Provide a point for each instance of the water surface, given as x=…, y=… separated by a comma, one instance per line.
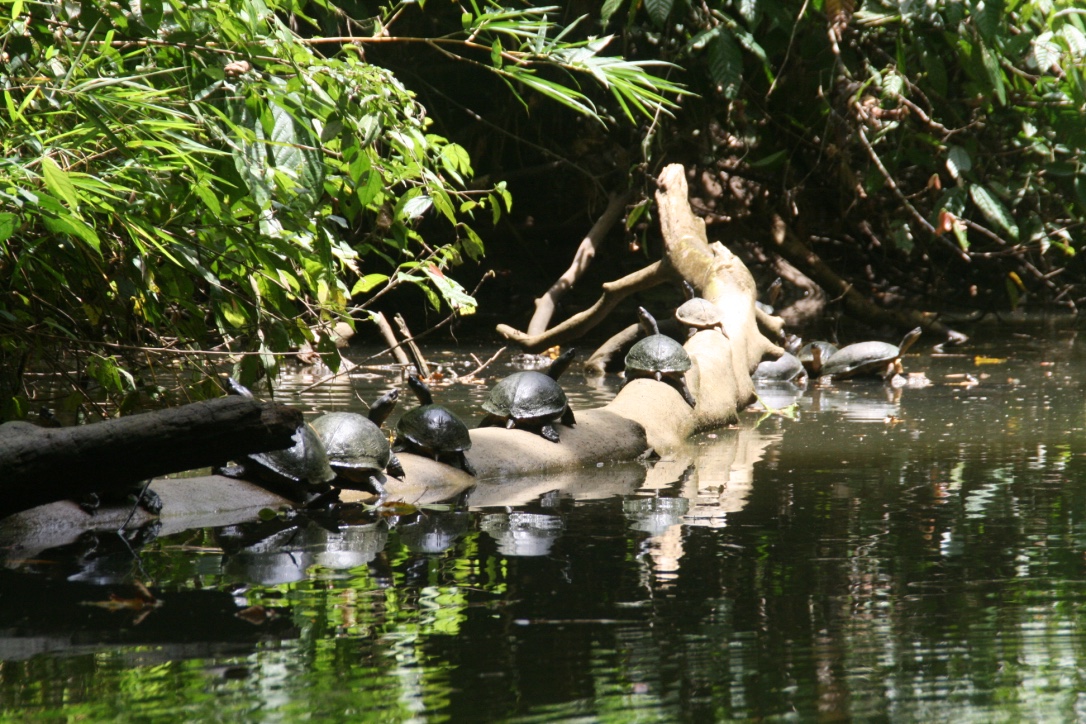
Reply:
x=916, y=554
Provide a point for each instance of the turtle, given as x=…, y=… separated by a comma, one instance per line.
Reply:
x=531, y=400
x=873, y=359
x=697, y=313
x=432, y=430
x=814, y=354
x=300, y=472
x=658, y=357
x=785, y=368
x=357, y=448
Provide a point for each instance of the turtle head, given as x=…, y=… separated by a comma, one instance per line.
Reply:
x=561, y=363
x=422, y=392
x=382, y=407
x=647, y=322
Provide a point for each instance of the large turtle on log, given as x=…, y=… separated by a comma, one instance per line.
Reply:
x=357, y=448
x=531, y=400
x=300, y=472
x=432, y=430
x=658, y=357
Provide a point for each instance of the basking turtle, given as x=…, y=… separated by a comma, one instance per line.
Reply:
x=300, y=472
x=431, y=430
x=873, y=359
x=659, y=357
x=785, y=368
x=358, y=450
x=698, y=313
x=814, y=354
x=531, y=400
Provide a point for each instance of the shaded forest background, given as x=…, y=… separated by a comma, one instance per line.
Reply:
x=186, y=186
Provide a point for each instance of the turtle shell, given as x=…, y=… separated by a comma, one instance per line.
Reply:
x=525, y=396
x=353, y=442
x=657, y=353
x=867, y=358
x=433, y=430
x=699, y=313
x=785, y=368
x=305, y=462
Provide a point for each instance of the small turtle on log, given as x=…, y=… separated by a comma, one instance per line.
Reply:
x=432, y=430
x=531, y=400
x=658, y=357
x=698, y=313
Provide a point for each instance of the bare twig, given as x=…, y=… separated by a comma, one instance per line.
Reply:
x=416, y=353
x=484, y=365
x=545, y=305
x=390, y=339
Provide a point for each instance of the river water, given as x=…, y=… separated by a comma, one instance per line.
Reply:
x=914, y=554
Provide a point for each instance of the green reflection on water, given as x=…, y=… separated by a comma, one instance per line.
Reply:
x=911, y=556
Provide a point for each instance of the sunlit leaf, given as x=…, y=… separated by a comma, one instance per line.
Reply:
x=659, y=10
x=993, y=210
x=725, y=63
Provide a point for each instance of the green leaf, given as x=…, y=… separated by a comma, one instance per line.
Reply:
x=725, y=64
x=68, y=224
x=987, y=16
x=659, y=10
x=610, y=7
x=451, y=291
x=994, y=73
x=472, y=243
x=958, y=161
x=58, y=183
x=993, y=210
x=8, y=223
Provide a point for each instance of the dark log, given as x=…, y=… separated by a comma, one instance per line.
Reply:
x=41, y=465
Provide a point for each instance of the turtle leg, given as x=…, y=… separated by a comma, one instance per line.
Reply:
x=394, y=468
x=464, y=464
x=141, y=495
x=490, y=421
x=549, y=433
x=378, y=488
x=567, y=418
x=680, y=385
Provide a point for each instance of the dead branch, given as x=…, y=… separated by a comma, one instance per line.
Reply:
x=572, y=328
x=545, y=305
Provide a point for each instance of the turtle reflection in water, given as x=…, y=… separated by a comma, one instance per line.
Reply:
x=658, y=357
x=531, y=400
x=357, y=447
x=300, y=472
x=432, y=431
x=871, y=359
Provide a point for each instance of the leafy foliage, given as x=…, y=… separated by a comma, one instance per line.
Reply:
x=177, y=177
x=913, y=145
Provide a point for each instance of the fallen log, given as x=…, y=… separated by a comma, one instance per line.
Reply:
x=41, y=465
